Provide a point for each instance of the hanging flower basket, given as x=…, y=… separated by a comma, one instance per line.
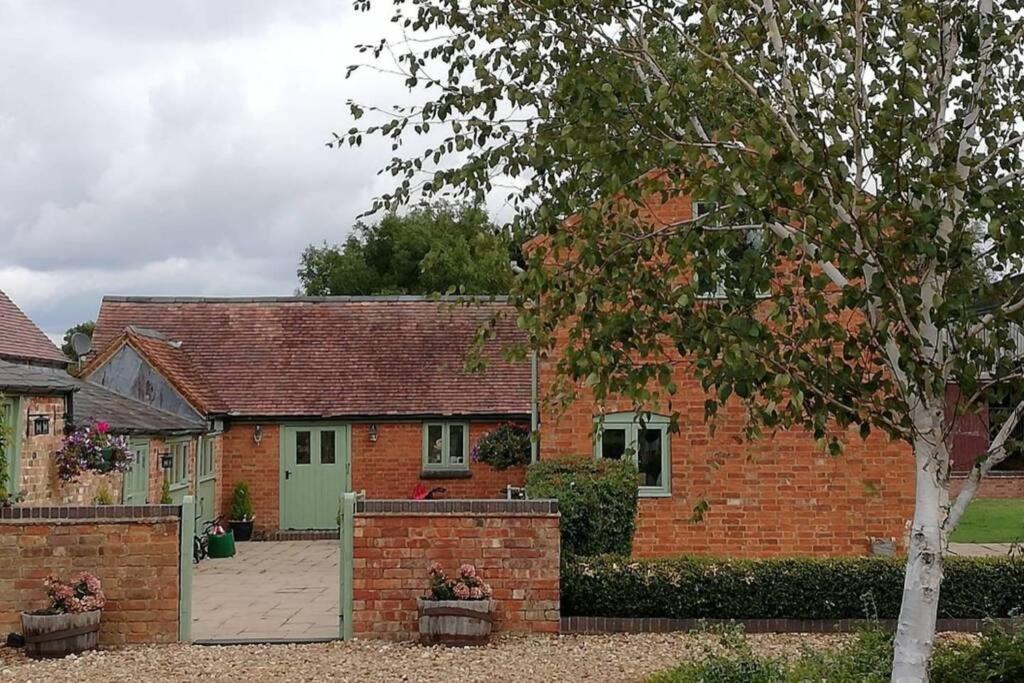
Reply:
x=92, y=449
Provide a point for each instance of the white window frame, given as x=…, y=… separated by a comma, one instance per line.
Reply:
x=445, y=464
x=633, y=424
x=719, y=293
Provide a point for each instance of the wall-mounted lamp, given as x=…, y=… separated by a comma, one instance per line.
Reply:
x=39, y=424
x=373, y=433
x=166, y=460
x=257, y=433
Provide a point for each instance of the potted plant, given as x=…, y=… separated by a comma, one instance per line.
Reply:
x=72, y=621
x=456, y=611
x=92, y=448
x=241, y=512
x=220, y=542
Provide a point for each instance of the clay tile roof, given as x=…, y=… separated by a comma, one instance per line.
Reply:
x=20, y=339
x=323, y=356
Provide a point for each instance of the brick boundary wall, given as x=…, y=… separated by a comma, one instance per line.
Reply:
x=592, y=625
x=515, y=545
x=134, y=550
x=993, y=485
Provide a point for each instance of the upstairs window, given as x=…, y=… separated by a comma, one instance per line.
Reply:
x=643, y=440
x=445, y=446
x=739, y=262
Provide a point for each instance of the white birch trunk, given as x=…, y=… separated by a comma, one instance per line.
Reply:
x=915, y=631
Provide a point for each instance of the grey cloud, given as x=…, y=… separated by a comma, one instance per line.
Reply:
x=175, y=148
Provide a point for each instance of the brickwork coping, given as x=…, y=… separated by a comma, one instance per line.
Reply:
x=525, y=508
x=81, y=513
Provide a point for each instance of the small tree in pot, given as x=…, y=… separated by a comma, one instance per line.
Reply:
x=457, y=611
x=72, y=621
x=241, y=512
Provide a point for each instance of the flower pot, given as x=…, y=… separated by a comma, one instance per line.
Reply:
x=221, y=546
x=456, y=622
x=59, y=635
x=242, y=530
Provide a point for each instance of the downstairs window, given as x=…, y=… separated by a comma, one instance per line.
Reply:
x=645, y=441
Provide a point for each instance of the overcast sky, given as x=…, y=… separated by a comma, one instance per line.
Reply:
x=175, y=147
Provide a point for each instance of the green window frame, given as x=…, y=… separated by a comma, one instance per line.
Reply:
x=445, y=446
x=645, y=440
x=178, y=474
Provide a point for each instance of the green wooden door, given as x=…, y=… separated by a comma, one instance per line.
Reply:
x=9, y=447
x=206, y=483
x=314, y=463
x=136, y=479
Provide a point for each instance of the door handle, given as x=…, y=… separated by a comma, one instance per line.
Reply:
x=287, y=474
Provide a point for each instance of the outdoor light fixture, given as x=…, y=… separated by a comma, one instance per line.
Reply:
x=166, y=460
x=373, y=433
x=257, y=433
x=40, y=424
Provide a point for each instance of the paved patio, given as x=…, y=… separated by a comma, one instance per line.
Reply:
x=268, y=590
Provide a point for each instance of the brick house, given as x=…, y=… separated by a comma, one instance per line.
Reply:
x=781, y=495
x=309, y=396
x=39, y=399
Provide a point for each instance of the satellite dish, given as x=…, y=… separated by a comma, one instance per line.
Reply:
x=81, y=344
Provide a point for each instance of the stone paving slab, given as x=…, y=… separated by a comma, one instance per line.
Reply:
x=980, y=549
x=276, y=589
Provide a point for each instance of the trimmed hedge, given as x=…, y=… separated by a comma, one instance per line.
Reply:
x=804, y=588
x=597, y=500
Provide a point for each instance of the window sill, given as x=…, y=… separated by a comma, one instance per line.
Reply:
x=655, y=494
x=445, y=474
x=178, y=487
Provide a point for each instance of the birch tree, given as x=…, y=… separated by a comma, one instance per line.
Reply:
x=859, y=165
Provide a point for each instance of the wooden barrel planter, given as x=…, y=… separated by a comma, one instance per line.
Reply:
x=456, y=622
x=59, y=635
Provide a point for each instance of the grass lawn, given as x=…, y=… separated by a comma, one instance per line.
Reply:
x=991, y=520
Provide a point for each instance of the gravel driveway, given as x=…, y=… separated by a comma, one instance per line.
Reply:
x=511, y=658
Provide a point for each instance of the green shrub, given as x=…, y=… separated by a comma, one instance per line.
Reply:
x=597, y=500
x=997, y=657
x=803, y=588
x=241, y=503
x=504, y=447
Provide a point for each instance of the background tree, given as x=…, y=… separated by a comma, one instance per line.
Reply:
x=856, y=144
x=429, y=249
x=86, y=328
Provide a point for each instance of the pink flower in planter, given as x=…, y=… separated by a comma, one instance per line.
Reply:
x=102, y=427
x=462, y=591
x=467, y=571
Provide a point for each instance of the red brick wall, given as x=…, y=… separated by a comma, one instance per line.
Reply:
x=998, y=485
x=778, y=496
x=258, y=464
x=516, y=550
x=387, y=468
x=135, y=555
x=390, y=467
